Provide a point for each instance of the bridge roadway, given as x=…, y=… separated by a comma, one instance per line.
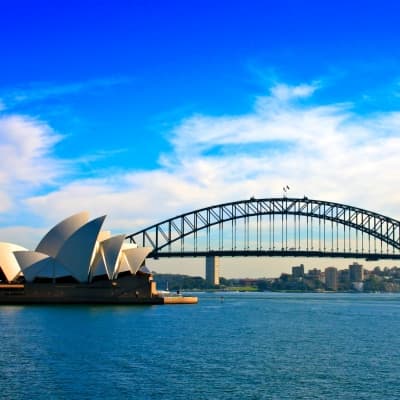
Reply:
x=273, y=253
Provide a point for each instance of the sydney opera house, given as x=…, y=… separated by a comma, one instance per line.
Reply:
x=77, y=262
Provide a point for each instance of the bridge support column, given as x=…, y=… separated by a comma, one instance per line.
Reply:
x=212, y=270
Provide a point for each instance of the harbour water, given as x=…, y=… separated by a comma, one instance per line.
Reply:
x=239, y=346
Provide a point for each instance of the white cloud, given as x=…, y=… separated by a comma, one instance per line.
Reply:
x=25, y=153
x=284, y=92
x=272, y=120
x=25, y=236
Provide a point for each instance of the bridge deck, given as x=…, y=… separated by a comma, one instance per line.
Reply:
x=270, y=253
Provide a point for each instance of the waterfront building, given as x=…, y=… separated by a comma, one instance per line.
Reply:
x=315, y=274
x=298, y=271
x=77, y=262
x=212, y=270
x=356, y=272
x=331, y=278
x=76, y=250
x=344, y=276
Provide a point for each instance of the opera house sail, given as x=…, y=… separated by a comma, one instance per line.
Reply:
x=77, y=262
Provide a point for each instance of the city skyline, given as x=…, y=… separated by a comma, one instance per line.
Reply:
x=146, y=111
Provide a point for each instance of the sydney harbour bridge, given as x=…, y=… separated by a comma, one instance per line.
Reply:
x=283, y=226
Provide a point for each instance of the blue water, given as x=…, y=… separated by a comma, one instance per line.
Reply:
x=248, y=346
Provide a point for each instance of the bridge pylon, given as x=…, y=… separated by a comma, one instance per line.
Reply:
x=212, y=269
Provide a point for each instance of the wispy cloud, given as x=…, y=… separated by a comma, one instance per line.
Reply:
x=274, y=118
x=38, y=91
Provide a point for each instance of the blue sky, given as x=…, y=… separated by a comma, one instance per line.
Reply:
x=143, y=110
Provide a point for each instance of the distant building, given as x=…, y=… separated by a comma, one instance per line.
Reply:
x=248, y=282
x=315, y=274
x=356, y=272
x=344, y=276
x=331, y=278
x=212, y=270
x=298, y=271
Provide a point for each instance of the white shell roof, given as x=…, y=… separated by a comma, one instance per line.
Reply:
x=58, y=235
x=136, y=256
x=107, y=256
x=99, y=268
x=128, y=245
x=35, y=264
x=8, y=262
x=103, y=235
x=74, y=247
x=77, y=251
x=123, y=265
x=111, y=251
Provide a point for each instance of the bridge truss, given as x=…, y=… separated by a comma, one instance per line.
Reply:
x=275, y=227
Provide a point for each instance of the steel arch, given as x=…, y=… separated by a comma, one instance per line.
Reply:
x=163, y=234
